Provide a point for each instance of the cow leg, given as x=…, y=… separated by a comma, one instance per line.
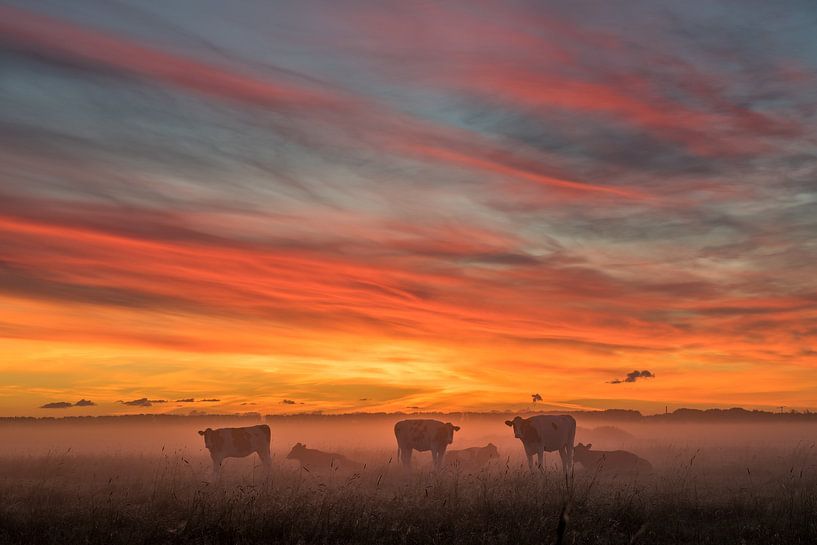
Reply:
x=407, y=457
x=530, y=461
x=266, y=461
x=540, y=455
x=216, y=467
x=566, y=461
x=435, y=457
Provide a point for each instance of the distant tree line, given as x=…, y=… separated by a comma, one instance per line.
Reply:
x=679, y=415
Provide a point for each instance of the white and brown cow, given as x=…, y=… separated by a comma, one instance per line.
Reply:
x=473, y=457
x=610, y=460
x=237, y=443
x=423, y=435
x=543, y=433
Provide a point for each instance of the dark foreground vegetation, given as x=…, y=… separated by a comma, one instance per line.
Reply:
x=136, y=499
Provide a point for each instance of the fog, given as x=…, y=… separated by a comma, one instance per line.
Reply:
x=754, y=446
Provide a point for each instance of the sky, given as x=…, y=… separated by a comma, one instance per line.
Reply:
x=398, y=206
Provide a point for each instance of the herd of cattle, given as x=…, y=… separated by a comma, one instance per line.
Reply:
x=539, y=434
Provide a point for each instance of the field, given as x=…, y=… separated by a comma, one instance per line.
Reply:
x=143, y=484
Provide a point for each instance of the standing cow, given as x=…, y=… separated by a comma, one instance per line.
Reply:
x=549, y=433
x=237, y=443
x=423, y=435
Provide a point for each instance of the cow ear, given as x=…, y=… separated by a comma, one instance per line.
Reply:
x=589, y=445
x=456, y=428
x=201, y=432
x=508, y=423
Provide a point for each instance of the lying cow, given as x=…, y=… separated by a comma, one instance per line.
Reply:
x=545, y=432
x=312, y=459
x=423, y=435
x=612, y=460
x=237, y=443
x=472, y=457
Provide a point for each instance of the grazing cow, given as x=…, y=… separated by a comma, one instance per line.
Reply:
x=472, y=457
x=549, y=433
x=237, y=443
x=614, y=460
x=311, y=459
x=423, y=435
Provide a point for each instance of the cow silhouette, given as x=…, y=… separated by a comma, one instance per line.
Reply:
x=423, y=435
x=546, y=433
x=237, y=443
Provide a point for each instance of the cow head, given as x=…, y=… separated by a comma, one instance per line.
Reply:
x=209, y=437
x=516, y=424
x=580, y=450
x=296, y=451
x=449, y=432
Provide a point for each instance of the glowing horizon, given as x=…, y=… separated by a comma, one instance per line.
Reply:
x=449, y=207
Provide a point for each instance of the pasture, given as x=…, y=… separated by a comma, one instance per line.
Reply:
x=143, y=483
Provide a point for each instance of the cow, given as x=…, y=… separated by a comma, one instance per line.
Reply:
x=615, y=460
x=423, y=435
x=472, y=457
x=549, y=433
x=237, y=443
x=311, y=459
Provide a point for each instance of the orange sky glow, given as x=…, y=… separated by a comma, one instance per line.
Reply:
x=365, y=210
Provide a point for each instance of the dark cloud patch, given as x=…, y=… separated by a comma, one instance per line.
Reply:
x=141, y=402
x=57, y=405
x=633, y=376
x=535, y=397
x=84, y=403
x=186, y=400
x=209, y=400
x=288, y=402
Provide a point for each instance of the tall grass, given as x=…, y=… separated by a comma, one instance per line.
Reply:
x=80, y=499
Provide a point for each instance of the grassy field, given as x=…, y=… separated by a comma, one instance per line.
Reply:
x=751, y=497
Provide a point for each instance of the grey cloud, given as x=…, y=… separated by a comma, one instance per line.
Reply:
x=633, y=376
x=141, y=402
x=57, y=405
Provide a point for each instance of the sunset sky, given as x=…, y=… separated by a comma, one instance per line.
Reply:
x=367, y=206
